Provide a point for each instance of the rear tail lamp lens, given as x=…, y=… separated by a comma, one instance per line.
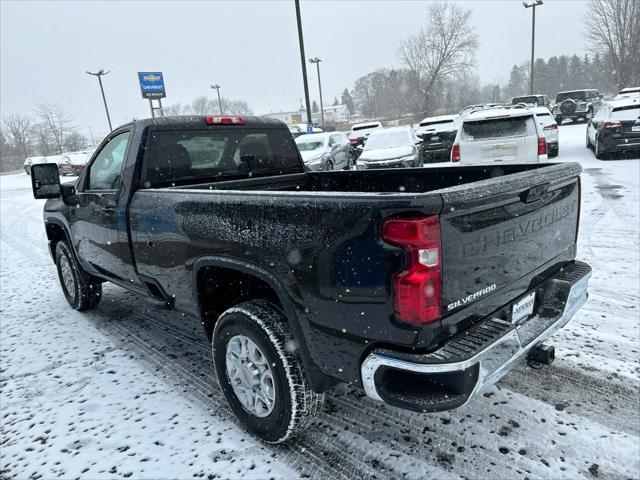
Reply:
x=417, y=290
x=455, y=153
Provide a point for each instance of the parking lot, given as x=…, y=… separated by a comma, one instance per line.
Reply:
x=129, y=387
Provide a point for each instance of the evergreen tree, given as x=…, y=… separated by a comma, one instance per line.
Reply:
x=563, y=74
x=539, y=75
x=347, y=100
x=314, y=107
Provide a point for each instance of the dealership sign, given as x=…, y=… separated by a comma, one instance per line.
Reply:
x=152, y=84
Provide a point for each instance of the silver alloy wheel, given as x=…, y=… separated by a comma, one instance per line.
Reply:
x=250, y=376
x=67, y=275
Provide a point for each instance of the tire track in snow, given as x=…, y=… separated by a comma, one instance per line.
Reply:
x=358, y=413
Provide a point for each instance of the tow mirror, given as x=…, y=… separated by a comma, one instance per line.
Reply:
x=45, y=180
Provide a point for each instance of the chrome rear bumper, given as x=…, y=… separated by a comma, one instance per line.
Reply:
x=477, y=358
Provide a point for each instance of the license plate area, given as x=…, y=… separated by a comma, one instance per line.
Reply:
x=523, y=308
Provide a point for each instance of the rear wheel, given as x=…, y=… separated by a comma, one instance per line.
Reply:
x=260, y=372
x=80, y=289
x=600, y=155
x=588, y=140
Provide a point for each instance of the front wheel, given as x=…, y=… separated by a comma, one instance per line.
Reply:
x=81, y=291
x=260, y=372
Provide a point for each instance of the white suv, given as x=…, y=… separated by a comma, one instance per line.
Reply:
x=499, y=136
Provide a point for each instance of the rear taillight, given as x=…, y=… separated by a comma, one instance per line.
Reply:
x=417, y=290
x=455, y=153
x=542, y=146
x=613, y=124
x=224, y=120
x=353, y=139
x=553, y=126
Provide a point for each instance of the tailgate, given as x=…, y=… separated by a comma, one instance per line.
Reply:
x=511, y=150
x=501, y=232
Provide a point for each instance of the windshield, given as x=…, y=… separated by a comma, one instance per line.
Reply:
x=579, y=95
x=498, y=128
x=436, y=123
x=364, y=127
x=387, y=140
x=306, y=144
x=531, y=100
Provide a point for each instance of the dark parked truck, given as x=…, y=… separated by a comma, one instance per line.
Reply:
x=422, y=286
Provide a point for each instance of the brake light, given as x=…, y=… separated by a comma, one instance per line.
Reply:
x=417, y=290
x=542, y=146
x=553, y=126
x=455, y=152
x=224, y=120
x=613, y=124
x=353, y=139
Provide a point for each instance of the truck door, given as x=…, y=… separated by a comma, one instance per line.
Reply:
x=98, y=216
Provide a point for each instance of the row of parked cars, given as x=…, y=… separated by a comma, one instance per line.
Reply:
x=69, y=163
x=524, y=131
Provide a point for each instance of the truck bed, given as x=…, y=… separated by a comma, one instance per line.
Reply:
x=390, y=181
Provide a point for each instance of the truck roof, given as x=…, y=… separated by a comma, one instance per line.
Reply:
x=200, y=121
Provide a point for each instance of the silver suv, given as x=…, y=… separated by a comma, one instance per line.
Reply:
x=576, y=105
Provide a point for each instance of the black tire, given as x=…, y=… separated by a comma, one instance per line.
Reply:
x=600, y=155
x=588, y=140
x=328, y=166
x=81, y=290
x=295, y=403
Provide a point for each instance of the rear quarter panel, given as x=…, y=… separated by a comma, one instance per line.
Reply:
x=324, y=250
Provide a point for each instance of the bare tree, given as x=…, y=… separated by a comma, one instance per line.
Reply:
x=18, y=130
x=74, y=141
x=236, y=107
x=613, y=29
x=445, y=47
x=56, y=121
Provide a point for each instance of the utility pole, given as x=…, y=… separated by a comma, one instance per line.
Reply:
x=100, y=73
x=317, y=61
x=217, y=88
x=304, y=65
x=532, y=4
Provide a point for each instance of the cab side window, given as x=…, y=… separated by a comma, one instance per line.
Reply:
x=104, y=173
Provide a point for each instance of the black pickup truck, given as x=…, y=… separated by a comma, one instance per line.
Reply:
x=423, y=286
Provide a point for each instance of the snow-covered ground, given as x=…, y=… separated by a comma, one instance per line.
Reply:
x=128, y=390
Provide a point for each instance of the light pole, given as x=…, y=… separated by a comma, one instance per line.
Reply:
x=317, y=61
x=100, y=74
x=532, y=4
x=217, y=88
x=304, y=65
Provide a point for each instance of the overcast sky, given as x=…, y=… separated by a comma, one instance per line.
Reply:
x=249, y=48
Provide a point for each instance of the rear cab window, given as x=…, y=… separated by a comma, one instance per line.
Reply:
x=498, y=128
x=195, y=156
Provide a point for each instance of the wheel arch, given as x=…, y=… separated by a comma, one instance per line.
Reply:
x=56, y=232
x=224, y=274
